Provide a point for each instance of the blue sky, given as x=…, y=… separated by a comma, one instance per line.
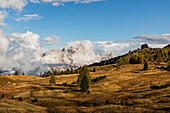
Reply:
x=107, y=20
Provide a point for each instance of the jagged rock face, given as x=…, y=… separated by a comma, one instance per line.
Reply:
x=75, y=54
x=144, y=46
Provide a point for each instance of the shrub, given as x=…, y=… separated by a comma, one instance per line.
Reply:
x=2, y=96
x=67, y=91
x=145, y=67
x=73, y=82
x=64, y=83
x=35, y=100
x=159, y=87
x=88, y=92
x=20, y=99
x=98, y=78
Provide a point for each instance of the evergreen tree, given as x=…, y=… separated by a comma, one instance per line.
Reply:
x=83, y=70
x=94, y=69
x=52, y=79
x=67, y=71
x=16, y=72
x=20, y=99
x=159, y=58
x=72, y=71
x=145, y=67
x=84, y=85
x=168, y=65
x=13, y=97
x=40, y=74
x=2, y=96
x=120, y=61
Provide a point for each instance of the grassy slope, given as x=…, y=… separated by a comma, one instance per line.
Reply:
x=124, y=90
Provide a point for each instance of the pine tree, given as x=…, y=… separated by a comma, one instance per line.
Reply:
x=52, y=79
x=159, y=58
x=20, y=99
x=72, y=71
x=16, y=72
x=83, y=70
x=84, y=85
x=120, y=61
x=94, y=69
x=168, y=65
x=145, y=67
x=40, y=74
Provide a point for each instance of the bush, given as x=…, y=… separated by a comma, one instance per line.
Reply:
x=20, y=99
x=64, y=83
x=159, y=87
x=2, y=96
x=73, y=82
x=35, y=100
x=145, y=67
x=67, y=91
x=88, y=92
x=98, y=78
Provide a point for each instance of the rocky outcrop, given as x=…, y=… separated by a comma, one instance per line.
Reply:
x=143, y=46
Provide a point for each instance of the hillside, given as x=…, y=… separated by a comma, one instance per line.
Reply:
x=146, y=52
x=123, y=90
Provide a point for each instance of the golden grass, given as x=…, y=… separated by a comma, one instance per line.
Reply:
x=123, y=90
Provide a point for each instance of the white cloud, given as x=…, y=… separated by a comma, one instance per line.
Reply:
x=35, y=1
x=61, y=2
x=89, y=1
x=2, y=17
x=26, y=18
x=57, y=4
x=24, y=53
x=14, y=4
x=48, y=39
x=161, y=39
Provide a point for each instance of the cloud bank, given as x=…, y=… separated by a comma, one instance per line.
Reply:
x=14, y=4
x=21, y=52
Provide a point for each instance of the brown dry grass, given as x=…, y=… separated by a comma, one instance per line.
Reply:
x=123, y=90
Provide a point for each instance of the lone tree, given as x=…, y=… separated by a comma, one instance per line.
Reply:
x=52, y=79
x=94, y=69
x=145, y=67
x=16, y=72
x=83, y=70
x=84, y=85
